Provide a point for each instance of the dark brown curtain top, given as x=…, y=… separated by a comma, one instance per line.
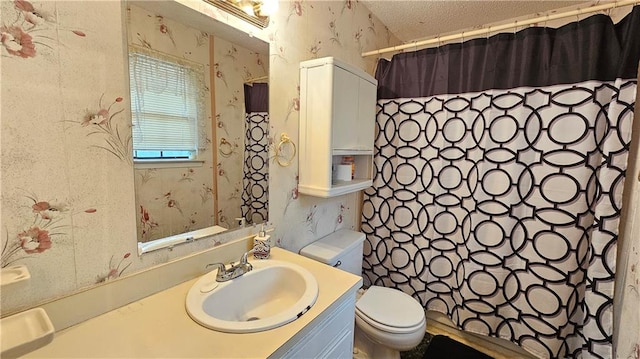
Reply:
x=591, y=49
x=256, y=97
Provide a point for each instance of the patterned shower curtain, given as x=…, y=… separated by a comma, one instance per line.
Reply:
x=499, y=168
x=255, y=183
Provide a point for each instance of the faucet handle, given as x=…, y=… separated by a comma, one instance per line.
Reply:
x=234, y=271
x=222, y=274
x=221, y=266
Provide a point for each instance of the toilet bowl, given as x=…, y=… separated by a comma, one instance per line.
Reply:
x=387, y=320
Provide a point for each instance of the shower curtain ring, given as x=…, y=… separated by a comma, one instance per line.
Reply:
x=225, y=148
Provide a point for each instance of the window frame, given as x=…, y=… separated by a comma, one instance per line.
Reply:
x=198, y=89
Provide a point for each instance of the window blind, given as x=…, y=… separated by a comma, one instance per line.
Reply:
x=164, y=104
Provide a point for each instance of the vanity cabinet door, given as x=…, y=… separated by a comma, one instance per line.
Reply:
x=343, y=348
x=331, y=338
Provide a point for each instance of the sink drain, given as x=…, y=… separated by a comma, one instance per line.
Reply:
x=252, y=319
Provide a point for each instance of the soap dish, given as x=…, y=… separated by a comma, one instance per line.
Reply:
x=14, y=274
x=25, y=332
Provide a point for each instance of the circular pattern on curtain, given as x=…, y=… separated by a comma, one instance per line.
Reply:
x=255, y=181
x=501, y=208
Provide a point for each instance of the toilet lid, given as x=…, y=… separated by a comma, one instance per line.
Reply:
x=389, y=308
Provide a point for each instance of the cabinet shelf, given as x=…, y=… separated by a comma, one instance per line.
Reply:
x=337, y=188
x=351, y=152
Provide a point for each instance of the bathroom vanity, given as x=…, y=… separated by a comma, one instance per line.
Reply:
x=158, y=326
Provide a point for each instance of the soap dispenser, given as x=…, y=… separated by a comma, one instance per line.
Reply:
x=261, y=245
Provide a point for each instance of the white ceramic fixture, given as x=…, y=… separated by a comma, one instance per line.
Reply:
x=274, y=293
x=12, y=275
x=387, y=320
x=25, y=332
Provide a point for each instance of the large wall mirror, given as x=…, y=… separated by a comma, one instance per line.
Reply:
x=199, y=102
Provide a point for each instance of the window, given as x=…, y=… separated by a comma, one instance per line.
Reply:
x=166, y=105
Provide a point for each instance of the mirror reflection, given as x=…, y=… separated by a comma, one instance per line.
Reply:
x=199, y=104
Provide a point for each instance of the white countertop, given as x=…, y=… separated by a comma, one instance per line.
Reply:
x=158, y=326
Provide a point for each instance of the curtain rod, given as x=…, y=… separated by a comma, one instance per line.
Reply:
x=256, y=79
x=489, y=29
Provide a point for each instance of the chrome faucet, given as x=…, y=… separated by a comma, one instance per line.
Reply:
x=235, y=271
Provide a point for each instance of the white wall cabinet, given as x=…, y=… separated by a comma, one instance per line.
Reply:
x=337, y=119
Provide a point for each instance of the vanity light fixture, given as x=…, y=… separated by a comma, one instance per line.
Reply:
x=265, y=7
x=256, y=12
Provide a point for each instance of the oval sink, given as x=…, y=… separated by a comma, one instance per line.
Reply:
x=274, y=293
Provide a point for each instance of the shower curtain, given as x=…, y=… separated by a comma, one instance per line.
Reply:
x=499, y=168
x=255, y=182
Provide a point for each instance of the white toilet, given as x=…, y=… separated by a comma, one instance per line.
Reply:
x=387, y=320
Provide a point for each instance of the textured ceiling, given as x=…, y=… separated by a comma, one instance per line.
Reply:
x=412, y=20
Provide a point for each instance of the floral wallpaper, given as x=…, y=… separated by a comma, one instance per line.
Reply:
x=67, y=180
x=68, y=203
x=304, y=30
x=68, y=208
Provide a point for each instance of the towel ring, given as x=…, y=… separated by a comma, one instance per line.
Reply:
x=284, y=140
x=221, y=148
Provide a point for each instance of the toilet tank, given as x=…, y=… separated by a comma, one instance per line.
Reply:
x=341, y=249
